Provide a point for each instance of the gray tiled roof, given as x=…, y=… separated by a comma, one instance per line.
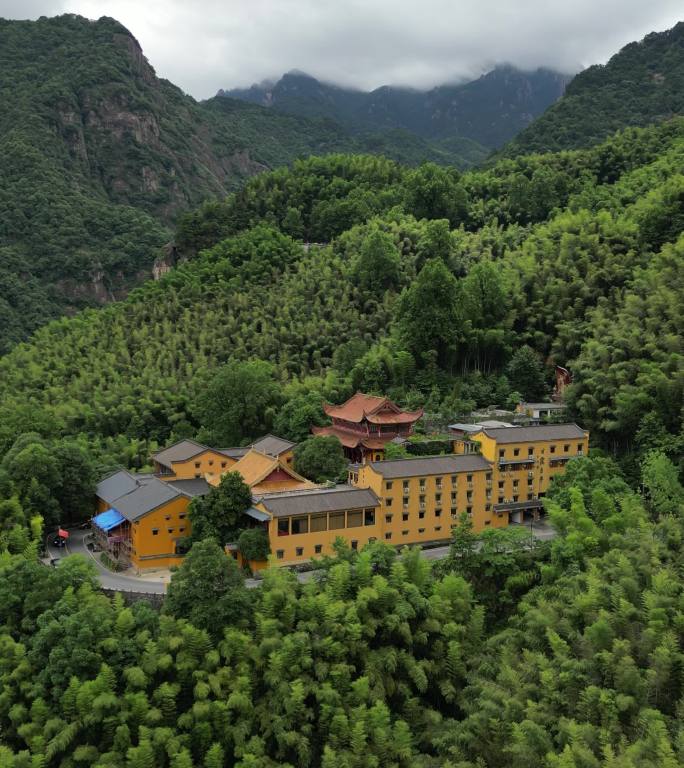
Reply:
x=321, y=500
x=193, y=487
x=234, y=453
x=430, y=465
x=144, y=499
x=181, y=451
x=115, y=485
x=532, y=434
x=272, y=445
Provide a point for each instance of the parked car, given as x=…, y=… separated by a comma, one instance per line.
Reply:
x=58, y=541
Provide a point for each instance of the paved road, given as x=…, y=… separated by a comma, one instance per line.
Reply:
x=108, y=579
x=125, y=583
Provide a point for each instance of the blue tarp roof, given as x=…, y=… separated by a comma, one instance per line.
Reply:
x=108, y=520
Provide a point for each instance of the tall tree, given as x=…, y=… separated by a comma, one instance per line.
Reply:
x=237, y=402
x=219, y=514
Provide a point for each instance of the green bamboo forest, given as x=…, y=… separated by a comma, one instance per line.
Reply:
x=327, y=270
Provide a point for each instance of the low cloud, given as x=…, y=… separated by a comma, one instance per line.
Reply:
x=210, y=44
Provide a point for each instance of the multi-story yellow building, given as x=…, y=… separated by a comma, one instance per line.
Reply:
x=525, y=459
x=421, y=498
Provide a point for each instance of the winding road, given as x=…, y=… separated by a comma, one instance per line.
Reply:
x=118, y=582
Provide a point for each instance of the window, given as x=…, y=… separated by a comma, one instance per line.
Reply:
x=155, y=531
x=369, y=517
x=515, y=497
x=170, y=530
x=404, y=516
x=388, y=536
x=280, y=554
x=516, y=483
x=406, y=485
x=211, y=462
x=438, y=513
x=501, y=498
x=552, y=449
x=502, y=453
x=404, y=533
x=438, y=498
x=319, y=522
x=453, y=495
x=501, y=485
x=438, y=527
x=284, y=526
x=421, y=515
x=530, y=451
x=469, y=478
x=488, y=476
x=388, y=502
x=336, y=521
x=469, y=496
x=421, y=530
x=354, y=519
x=469, y=510
x=566, y=448
x=223, y=465
x=388, y=485
x=167, y=517
x=300, y=524
x=299, y=551
x=454, y=479
x=318, y=548
x=516, y=451
x=488, y=522
x=181, y=530
x=488, y=495
x=422, y=499
x=354, y=544
x=580, y=449
x=181, y=516
x=388, y=518
x=454, y=511
x=197, y=476
x=488, y=507
x=197, y=465
x=405, y=500
x=422, y=483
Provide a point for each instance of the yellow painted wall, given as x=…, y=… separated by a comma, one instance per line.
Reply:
x=171, y=522
x=197, y=466
x=421, y=509
x=299, y=547
x=533, y=480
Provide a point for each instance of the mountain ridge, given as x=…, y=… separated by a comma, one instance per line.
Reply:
x=489, y=109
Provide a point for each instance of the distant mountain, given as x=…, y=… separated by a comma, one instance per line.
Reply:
x=489, y=110
x=99, y=157
x=642, y=84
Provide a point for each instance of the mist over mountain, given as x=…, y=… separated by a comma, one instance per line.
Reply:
x=489, y=110
x=643, y=83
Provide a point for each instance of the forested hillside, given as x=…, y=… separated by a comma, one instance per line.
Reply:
x=487, y=112
x=451, y=290
x=642, y=84
x=98, y=157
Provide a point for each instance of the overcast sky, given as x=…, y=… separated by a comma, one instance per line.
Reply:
x=204, y=45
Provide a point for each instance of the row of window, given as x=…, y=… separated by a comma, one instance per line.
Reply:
x=530, y=450
x=198, y=464
x=325, y=521
x=389, y=500
x=422, y=481
x=155, y=531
